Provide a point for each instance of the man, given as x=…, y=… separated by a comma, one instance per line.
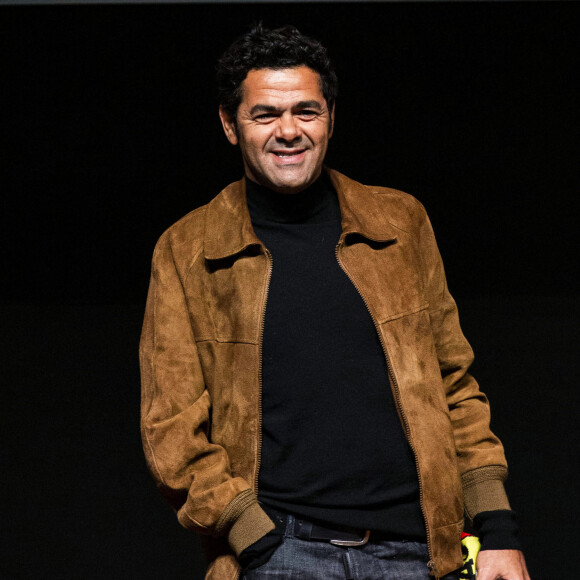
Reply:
x=306, y=401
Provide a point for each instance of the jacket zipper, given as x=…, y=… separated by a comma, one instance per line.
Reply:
x=260, y=344
x=397, y=396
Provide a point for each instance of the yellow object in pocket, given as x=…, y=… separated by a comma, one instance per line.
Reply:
x=469, y=549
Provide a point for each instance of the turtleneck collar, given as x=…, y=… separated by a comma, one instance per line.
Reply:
x=316, y=204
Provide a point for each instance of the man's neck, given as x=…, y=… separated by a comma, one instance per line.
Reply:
x=315, y=203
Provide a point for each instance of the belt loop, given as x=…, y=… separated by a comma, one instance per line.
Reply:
x=348, y=574
x=289, y=531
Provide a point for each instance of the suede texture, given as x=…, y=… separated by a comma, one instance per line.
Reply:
x=201, y=353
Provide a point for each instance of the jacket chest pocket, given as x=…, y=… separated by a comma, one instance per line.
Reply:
x=227, y=299
x=387, y=276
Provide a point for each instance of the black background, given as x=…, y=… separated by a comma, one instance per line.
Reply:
x=110, y=133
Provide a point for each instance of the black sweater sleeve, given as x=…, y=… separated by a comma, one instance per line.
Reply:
x=497, y=530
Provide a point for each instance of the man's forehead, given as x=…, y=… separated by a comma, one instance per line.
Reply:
x=285, y=83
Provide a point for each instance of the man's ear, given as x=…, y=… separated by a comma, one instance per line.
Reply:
x=331, y=122
x=229, y=126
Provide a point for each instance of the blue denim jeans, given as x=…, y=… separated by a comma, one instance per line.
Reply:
x=297, y=559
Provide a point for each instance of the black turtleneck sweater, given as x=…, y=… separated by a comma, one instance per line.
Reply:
x=333, y=448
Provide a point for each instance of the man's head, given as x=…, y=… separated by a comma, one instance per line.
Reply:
x=277, y=90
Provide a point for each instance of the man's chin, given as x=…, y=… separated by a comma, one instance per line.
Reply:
x=292, y=183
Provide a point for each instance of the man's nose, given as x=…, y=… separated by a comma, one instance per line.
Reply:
x=287, y=128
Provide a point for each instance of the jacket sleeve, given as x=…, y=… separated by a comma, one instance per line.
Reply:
x=192, y=473
x=480, y=455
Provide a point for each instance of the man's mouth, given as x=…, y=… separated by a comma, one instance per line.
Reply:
x=289, y=155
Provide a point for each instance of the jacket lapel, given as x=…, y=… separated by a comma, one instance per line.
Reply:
x=228, y=228
x=361, y=210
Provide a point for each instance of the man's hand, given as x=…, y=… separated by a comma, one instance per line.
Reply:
x=501, y=565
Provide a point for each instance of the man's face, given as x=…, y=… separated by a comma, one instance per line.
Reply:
x=283, y=127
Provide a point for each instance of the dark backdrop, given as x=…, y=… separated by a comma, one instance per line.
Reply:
x=110, y=133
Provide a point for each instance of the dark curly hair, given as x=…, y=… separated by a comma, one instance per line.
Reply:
x=263, y=48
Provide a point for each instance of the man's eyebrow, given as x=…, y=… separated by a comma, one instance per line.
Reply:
x=271, y=109
x=264, y=109
x=308, y=105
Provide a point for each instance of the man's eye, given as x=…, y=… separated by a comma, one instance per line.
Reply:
x=307, y=114
x=264, y=117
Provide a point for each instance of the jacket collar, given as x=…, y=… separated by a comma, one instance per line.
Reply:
x=228, y=228
x=361, y=211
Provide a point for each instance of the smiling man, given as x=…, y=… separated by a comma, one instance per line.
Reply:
x=306, y=396
x=282, y=125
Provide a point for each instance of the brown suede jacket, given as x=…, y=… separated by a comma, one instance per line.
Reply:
x=201, y=368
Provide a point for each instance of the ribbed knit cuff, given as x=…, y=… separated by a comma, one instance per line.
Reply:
x=252, y=524
x=483, y=490
x=497, y=530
